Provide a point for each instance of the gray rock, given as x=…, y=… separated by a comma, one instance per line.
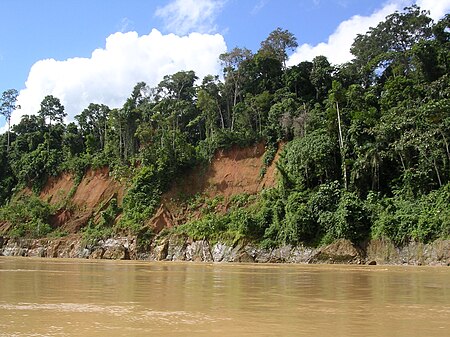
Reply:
x=263, y=255
x=301, y=254
x=160, y=251
x=176, y=250
x=199, y=251
x=221, y=252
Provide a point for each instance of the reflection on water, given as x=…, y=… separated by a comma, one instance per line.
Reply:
x=43, y=297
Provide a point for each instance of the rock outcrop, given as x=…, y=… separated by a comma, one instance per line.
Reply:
x=180, y=248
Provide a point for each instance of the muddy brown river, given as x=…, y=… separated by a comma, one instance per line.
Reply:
x=56, y=297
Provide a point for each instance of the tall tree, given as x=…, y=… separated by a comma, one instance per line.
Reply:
x=53, y=110
x=277, y=44
x=320, y=76
x=94, y=121
x=335, y=96
x=387, y=46
x=297, y=79
x=179, y=86
x=232, y=67
x=8, y=105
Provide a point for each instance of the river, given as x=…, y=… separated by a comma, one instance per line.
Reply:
x=57, y=297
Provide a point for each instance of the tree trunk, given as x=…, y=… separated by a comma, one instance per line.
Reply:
x=9, y=128
x=437, y=173
x=221, y=116
x=341, y=145
x=446, y=144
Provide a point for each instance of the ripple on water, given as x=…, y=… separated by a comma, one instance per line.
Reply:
x=70, y=307
x=129, y=312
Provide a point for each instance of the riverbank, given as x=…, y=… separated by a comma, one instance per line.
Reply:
x=177, y=248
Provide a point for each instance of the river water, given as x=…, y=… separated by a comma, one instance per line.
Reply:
x=53, y=297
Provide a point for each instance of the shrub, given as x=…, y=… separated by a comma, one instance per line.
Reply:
x=403, y=219
x=141, y=200
x=298, y=224
x=28, y=216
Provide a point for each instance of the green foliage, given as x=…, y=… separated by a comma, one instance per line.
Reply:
x=403, y=219
x=238, y=223
x=349, y=221
x=28, y=216
x=324, y=215
x=298, y=225
x=92, y=233
x=211, y=226
x=269, y=156
x=102, y=226
x=308, y=160
x=142, y=199
x=367, y=142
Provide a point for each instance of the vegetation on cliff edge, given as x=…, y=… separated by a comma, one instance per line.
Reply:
x=367, y=142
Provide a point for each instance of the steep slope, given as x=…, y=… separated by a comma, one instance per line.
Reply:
x=231, y=172
x=80, y=202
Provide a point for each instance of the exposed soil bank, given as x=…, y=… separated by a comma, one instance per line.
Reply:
x=176, y=248
x=231, y=172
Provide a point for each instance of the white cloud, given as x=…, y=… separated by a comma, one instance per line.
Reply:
x=184, y=16
x=337, y=48
x=110, y=74
x=437, y=8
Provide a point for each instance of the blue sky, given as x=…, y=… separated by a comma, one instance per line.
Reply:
x=86, y=51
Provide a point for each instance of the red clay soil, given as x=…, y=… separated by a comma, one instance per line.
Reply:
x=162, y=219
x=95, y=190
x=97, y=187
x=233, y=171
x=57, y=188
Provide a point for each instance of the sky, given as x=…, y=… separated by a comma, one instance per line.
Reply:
x=95, y=51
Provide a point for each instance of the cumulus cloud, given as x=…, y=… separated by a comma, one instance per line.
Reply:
x=110, y=74
x=337, y=48
x=437, y=8
x=184, y=16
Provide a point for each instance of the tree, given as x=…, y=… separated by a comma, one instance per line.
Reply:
x=335, y=96
x=53, y=110
x=8, y=105
x=178, y=86
x=94, y=121
x=298, y=79
x=320, y=76
x=277, y=44
x=175, y=101
x=387, y=46
x=432, y=56
x=232, y=67
x=213, y=87
x=262, y=73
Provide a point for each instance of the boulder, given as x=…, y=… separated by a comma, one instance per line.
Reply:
x=221, y=252
x=199, y=251
x=341, y=251
x=176, y=250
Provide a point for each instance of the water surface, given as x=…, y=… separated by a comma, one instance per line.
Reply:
x=55, y=297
